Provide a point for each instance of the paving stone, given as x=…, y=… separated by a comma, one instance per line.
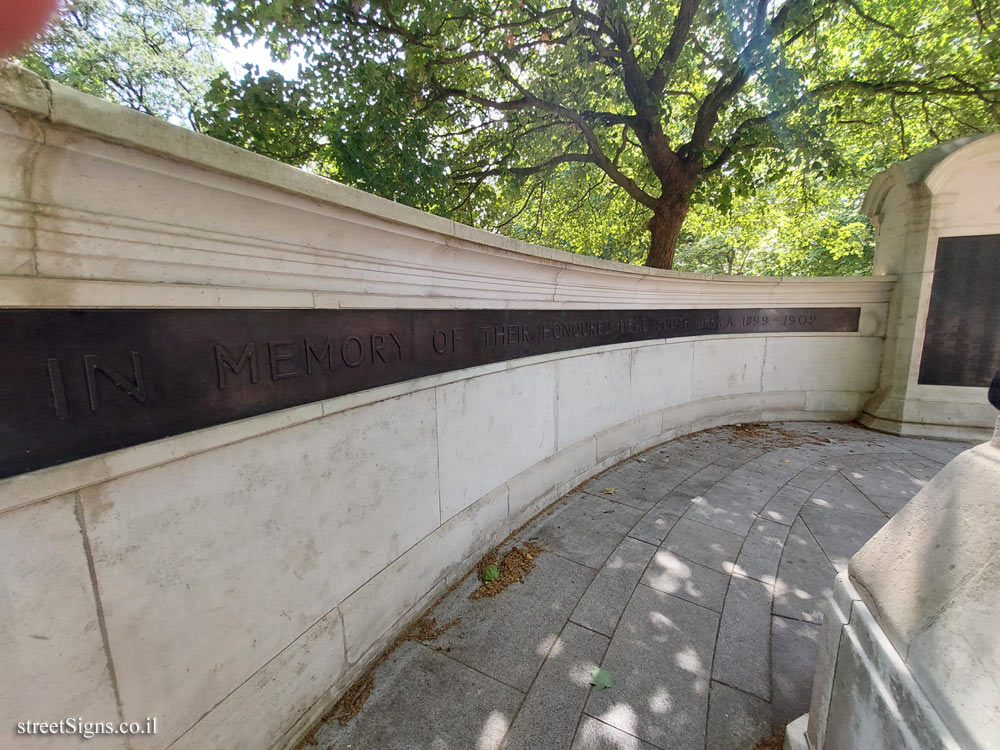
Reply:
x=585, y=529
x=784, y=507
x=694, y=455
x=686, y=463
x=735, y=457
x=827, y=447
x=938, y=450
x=753, y=484
x=742, y=648
x=736, y=720
x=882, y=477
x=734, y=503
x=812, y=477
x=636, y=483
x=412, y=706
x=782, y=465
x=780, y=474
x=654, y=526
x=838, y=493
x=864, y=449
x=551, y=711
x=862, y=459
x=605, y=599
x=793, y=662
x=890, y=506
x=852, y=432
x=702, y=481
x=805, y=576
x=677, y=502
x=805, y=451
x=596, y=735
x=509, y=635
x=705, y=545
x=761, y=551
x=734, y=514
x=840, y=534
x=886, y=484
x=825, y=429
x=688, y=580
x=661, y=655
x=918, y=468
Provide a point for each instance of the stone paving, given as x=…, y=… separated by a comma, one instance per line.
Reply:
x=697, y=584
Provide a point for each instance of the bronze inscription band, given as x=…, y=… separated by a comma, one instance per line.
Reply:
x=76, y=383
x=962, y=335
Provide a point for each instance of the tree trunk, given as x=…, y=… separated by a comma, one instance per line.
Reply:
x=664, y=229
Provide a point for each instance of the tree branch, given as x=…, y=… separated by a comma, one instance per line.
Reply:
x=876, y=22
x=750, y=60
x=525, y=171
x=530, y=101
x=678, y=38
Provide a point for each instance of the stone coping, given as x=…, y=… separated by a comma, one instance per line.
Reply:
x=24, y=91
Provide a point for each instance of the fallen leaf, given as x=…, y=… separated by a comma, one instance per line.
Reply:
x=609, y=491
x=601, y=678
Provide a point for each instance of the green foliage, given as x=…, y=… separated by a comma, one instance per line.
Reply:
x=263, y=113
x=572, y=208
x=569, y=124
x=601, y=678
x=794, y=226
x=490, y=573
x=356, y=140
x=156, y=56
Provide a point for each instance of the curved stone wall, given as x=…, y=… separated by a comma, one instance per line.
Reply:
x=231, y=581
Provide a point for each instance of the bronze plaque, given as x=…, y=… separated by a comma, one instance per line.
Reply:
x=962, y=335
x=76, y=383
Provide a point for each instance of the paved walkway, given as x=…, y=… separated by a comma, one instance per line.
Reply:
x=693, y=573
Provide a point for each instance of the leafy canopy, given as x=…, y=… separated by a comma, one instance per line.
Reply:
x=591, y=115
x=156, y=56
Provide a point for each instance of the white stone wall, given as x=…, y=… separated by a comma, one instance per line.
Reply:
x=948, y=191
x=234, y=580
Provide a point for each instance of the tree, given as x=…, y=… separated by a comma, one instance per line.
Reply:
x=671, y=101
x=796, y=225
x=156, y=56
x=357, y=140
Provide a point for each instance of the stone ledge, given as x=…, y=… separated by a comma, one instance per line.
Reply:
x=920, y=430
x=74, y=120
